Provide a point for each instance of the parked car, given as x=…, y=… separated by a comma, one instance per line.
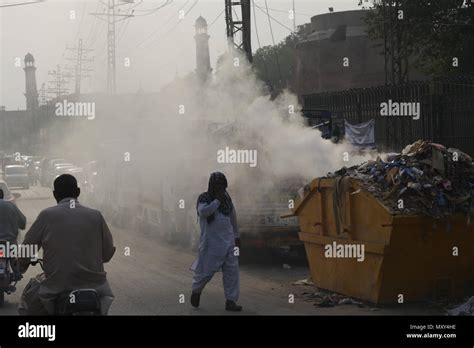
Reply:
x=63, y=165
x=61, y=168
x=10, y=160
x=34, y=170
x=78, y=173
x=47, y=166
x=17, y=176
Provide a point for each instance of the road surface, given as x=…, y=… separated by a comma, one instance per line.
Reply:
x=153, y=278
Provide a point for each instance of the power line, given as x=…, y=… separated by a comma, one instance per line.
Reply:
x=81, y=20
x=258, y=40
x=235, y=13
x=273, y=40
x=137, y=4
x=153, y=45
x=93, y=34
x=43, y=99
x=57, y=86
x=123, y=29
x=285, y=11
x=124, y=25
x=267, y=13
x=166, y=3
x=98, y=33
x=111, y=19
x=80, y=69
x=294, y=15
x=22, y=3
x=255, y=22
x=215, y=19
x=165, y=23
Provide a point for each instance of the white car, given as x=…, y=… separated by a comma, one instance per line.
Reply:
x=69, y=169
x=57, y=168
x=17, y=176
x=78, y=173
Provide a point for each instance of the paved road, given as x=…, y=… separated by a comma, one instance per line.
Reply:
x=151, y=279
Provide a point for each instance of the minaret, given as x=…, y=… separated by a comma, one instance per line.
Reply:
x=203, y=60
x=31, y=93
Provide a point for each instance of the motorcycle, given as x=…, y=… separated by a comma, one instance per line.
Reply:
x=75, y=302
x=8, y=278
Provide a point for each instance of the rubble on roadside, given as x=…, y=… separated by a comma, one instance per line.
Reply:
x=464, y=309
x=325, y=298
x=306, y=282
x=431, y=180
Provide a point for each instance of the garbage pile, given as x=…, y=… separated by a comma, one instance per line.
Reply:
x=466, y=308
x=429, y=178
x=324, y=298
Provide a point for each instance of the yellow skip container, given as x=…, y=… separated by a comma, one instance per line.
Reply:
x=414, y=256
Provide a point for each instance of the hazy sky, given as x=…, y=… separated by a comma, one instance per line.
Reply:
x=158, y=43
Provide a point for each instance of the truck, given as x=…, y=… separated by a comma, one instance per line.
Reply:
x=155, y=193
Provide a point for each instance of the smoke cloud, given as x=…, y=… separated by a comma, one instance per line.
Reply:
x=162, y=147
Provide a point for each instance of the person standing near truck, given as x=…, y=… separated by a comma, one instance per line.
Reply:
x=219, y=243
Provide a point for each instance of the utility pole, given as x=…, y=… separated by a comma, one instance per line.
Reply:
x=57, y=87
x=80, y=69
x=43, y=100
x=112, y=17
x=243, y=27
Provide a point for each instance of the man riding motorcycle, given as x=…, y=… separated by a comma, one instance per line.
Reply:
x=76, y=243
x=11, y=220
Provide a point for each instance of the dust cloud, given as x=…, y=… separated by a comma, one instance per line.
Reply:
x=162, y=147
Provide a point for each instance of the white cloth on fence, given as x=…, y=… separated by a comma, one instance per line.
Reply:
x=362, y=134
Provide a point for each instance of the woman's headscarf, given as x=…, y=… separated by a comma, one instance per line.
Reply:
x=225, y=207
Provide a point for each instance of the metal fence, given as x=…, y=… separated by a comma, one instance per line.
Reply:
x=447, y=112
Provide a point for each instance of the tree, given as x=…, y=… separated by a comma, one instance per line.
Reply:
x=439, y=35
x=275, y=65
